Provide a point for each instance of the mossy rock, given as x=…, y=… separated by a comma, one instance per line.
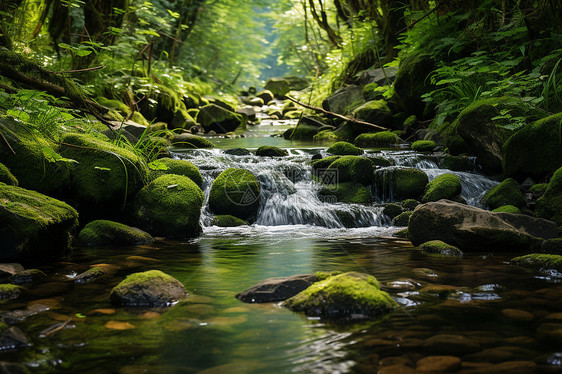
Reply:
x=344, y=149
x=10, y=291
x=376, y=112
x=237, y=152
x=6, y=176
x=391, y=210
x=457, y=163
x=228, y=221
x=304, y=131
x=346, y=192
x=293, y=114
x=139, y=118
x=266, y=96
x=411, y=81
x=380, y=161
x=105, y=175
x=326, y=136
x=148, y=289
x=349, y=296
x=165, y=105
x=402, y=234
x=104, y=232
x=324, y=162
x=507, y=209
x=169, y=206
x=377, y=139
x=410, y=204
x=90, y=275
x=33, y=225
x=505, y=193
x=271, y=151
x=400, y=183
x=372, y=91
x=352, y=169
x=402, y=219
x=409, y=122
x=256, y=101
x=118, y=105
x=445, y=186
x=180, y=167
x=539, y=261
x=278, y=86
x=235, y=192
x=538, y=189
x=424, y=145
x=535, y=150
x=216, y=118
x=549, y=206
x=190, y=141
x=440, y=248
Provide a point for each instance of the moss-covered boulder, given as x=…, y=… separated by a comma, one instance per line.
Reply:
x=445, y=186
x=377, y=139
x=190, y=141
x=375, y=112
x=216, y=118
x=399, y=183
x=411, y=81
x=169, y=206
x=166, y=105
x=148, y=289
x=344, y=98
x=104, y=232
x=278, y=86
x=473, y=229
x=372, y=91
x=228, y=221
x=266, y=96
x=346, y=192
x=410, y=204
x=271, y=151
x=440, y=248
x=349, y=295
x=424, y=145
x=344, y=149
x=6, y=176
x=10, y=291
x=550, y=204
x=33, y=225
x=505, y=193
x=402, y=219
x=105, y=175
x=235, y=192
x=391, y=210
x=326, y=136
x=538, y=190
x=352, y=169
x=535, y=150
x=457, y=163
x=539, y=261
x=179, y=167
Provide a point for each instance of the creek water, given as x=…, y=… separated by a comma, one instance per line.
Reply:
x=496, y=312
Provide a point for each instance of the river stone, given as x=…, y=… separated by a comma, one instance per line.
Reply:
x=277, y=289
x=215, y=117
x=509, y=367
x=186, y=140
x=7, y=270
x=33, y=225
x=471, y=228
x=397, y=369
x=12, y=368
x=28, y=277
x=518, y=315
x=237, y=152
x=343, y=99
x=148, y=289
x=500, y=354
x=235, y=192
x=437, y=247
x=12, y=338
x=438, y=364
x=450, y=344
x=104, y=232
x=90, y=275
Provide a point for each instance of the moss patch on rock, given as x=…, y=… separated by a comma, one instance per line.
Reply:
x=391, y=210
x=271, y=151
x=148, y=289
x=376, y=112
x=549, y=206
x=349, y=295
x=235, y=192
x=440, y=248
x=402, y=219
x=346, y=192
x=539, y=261
x=424, y=145
x=103, y=232
x=457, y=163
x=505, y=193
x=352, y=169
x=228, y=221
x=10, y=291
x=400, y=183
x=326, y=136
x=216, y=118
x=169, y=206
x=376, y=139
x=344, y=149
x=6, y=176
x=445, y=186
x=191, y=141
x=180, y=167
x=507, y=209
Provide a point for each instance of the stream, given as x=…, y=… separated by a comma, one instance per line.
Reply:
x=498, y=312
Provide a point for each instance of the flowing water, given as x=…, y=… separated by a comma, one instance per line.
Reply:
x=502, y=312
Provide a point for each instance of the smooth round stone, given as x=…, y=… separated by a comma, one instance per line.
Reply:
x=425, y=273
x=518, y=315
x=485, y=337
x=554, y=317
x=395, y=360
x=500, y=354
x=438, y=364
x=397, y=369
x=550, y=332
x=509, y=367
x=403, y=284
x=521, y=340
x=450, y=344
x=441, y=289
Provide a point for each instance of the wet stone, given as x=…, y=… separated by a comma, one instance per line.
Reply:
x=500, y=354
x=438, y=364
x=276, y=289
x=9, y=269
x=12, y=368
x=509, y=367
x=12, y=338
x=450, y=344
x=525, y=341
x=518, y=315
x=550, y=332
x=397, y=369
x=403, y=284
x=28, y=276
x=425, y=273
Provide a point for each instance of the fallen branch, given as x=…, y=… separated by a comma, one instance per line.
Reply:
x=78, y=71
x=322, y=110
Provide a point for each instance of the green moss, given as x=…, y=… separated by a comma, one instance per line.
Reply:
x=235, y=192
x=402, y=234
x=228, y=221
x=535, y=150
x=6, y=176
x=121, y=107
x=344, y=148
x=410, y=204
x=169, y=206
x=369, y=91
x=507, y=209
x=539, y=261
x=105, y=174
x=457, y=163
x=34, y=225
x=375, y=111
x=190, y=141
x=139, y=118
x=180, y=167
x=437, y=247
x=409, y=122
x=324, y=162
x=322, y=275
x=381, y=161
x=550, y=204
x=102, y=232
x=505, y=193
x=402, y=219
x=326, y=136
x=293, y=114
x=400, y=183
x=352, y=169
x=347, y=192
x=219, y=119
x=144, y=277
x=538, y=189
x=270, y=151
x=383, y=138
x=391, y=210
x=10, y=291
x=424, y=145
x=445, y=186
x=347, y=295
x=411, y=82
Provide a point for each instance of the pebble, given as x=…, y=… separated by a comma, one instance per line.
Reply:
x=518, y=315
x=396, y=369
x=500, y=354
x=438, y=364
x=450, y=344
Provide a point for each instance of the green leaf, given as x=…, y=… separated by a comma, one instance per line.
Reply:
x=174, y=14
x=65, y=46
x=80, y=315
x=101, y=168
x=82, y=52
x=19, y=114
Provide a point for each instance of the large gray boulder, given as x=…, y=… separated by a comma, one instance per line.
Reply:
x=474, y=229
x=343, y=99
x=277, y=289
